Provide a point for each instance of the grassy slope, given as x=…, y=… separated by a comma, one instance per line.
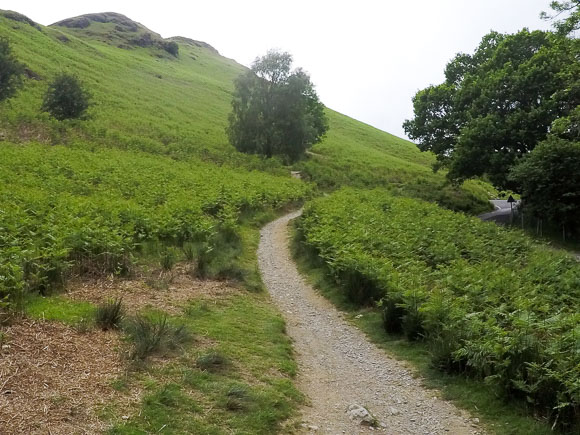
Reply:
x=356, y=154
x=145, y=98
x=150, y=100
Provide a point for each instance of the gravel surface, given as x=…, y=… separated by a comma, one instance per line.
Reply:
x=339, y=367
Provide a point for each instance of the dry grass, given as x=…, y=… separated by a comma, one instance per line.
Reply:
x=54, y=379
x=139, y=293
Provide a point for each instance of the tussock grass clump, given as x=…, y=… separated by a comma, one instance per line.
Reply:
x=168, y=259
x=213, y=362
x=218, y=259
x=150, y=336
x=110, y=314
x=237, y=398
x=189, y=251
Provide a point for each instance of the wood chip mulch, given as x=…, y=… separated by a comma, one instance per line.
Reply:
x=55, y=379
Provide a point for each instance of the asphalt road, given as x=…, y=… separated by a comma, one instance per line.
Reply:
x=501, y=214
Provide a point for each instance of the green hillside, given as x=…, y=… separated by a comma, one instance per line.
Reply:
x=150, y=100
x=146, y=99
x=146, y=194
x=148, y=190
x=358, y=155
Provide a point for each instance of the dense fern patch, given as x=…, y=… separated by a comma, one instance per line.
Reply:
x=488, y=302
x=66, y=211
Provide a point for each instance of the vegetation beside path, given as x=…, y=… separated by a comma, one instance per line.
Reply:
x=485, y=303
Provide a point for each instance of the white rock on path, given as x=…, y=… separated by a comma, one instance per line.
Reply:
x=361, y=414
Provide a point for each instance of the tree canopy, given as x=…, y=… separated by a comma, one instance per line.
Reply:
x=566, y=16
x=275, y=110
x=549, y=176
x=550, y=182
x=498, y=103
x=66, y=98
x=10, y=71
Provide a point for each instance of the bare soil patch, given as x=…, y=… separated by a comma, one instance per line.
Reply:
x=145, y=292
x=55, y=379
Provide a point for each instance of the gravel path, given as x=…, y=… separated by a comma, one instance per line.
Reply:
x=338, y=367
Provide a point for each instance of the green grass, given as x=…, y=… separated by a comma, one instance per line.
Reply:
x=60, y=309
x=497, y=415
x=252, y=394
x=358, y=155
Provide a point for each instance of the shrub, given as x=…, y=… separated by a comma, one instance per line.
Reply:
x=109, y=315
x=66, y=98
x=10, y=71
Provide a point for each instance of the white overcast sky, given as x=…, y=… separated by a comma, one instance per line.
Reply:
x=367, y=58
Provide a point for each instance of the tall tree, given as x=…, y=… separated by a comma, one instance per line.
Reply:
x=497, y=104
x=549, y=176
x=275, y=110
x=550, y=182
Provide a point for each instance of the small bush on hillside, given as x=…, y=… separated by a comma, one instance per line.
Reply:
x=66, y=98
x=109, y=315
x=10, y=71
x=171, y=47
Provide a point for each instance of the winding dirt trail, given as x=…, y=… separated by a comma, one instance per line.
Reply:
x=339, y=367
